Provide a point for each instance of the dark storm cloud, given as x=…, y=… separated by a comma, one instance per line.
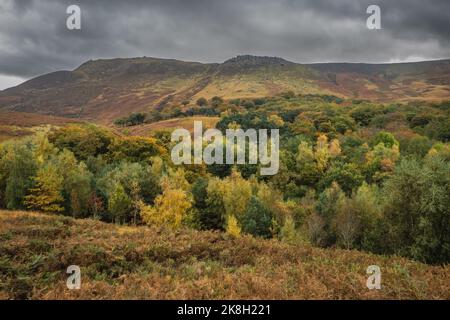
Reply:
x=34, y=38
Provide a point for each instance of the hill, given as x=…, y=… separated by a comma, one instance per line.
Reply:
x=119, y=262
x=104, y=90
x=169, y=125
x=19, y=124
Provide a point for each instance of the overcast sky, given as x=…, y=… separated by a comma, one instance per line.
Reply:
x=34, y=38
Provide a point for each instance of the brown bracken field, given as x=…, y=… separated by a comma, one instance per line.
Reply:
x=123, y=262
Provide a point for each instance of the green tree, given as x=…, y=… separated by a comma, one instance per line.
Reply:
x=347, y=175
x=201, y=102
x=257, y=220
x=213, y=216
x=83, y=140
x=216, y=101
x=18, y=167
x=385, y=138
x=417, y=210
x=329, y=204
x=210, y=209
x=134, y=149
x=119, y=204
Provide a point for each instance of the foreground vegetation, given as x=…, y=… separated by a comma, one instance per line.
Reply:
x=124, y=262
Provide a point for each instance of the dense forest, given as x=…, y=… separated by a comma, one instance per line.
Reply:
x=353, y=174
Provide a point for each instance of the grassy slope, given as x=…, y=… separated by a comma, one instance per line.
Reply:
x=20, y=124
x=145, y=263
x=171, y=124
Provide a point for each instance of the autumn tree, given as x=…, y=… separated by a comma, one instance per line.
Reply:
x=232, y=226
x=170, y=208
x=119, y=204
x=46, y=195
x=236, y=194
x=83, y=140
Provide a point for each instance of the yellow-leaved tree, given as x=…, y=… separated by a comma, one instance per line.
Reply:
x=236, y=194
x=169, y=210
x=322, y=154
x=233, y=226
x=47, y=194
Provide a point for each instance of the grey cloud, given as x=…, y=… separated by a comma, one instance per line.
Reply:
x=34, y=39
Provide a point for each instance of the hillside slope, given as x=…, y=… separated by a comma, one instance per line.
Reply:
x=120, y=262
x=20, y=124
x=103, y=90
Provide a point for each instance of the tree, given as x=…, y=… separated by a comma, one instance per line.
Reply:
x=138, y=178
x=131, y=120
x=213, y=216
x=347, y=226
x=276, y=120
x=322, y=153
x=77, y=182
x=232, y=227
x=329, y=204
x=134, y=149
x=363, y=115
x=47, y=194
x=83, y=140
x=316, y=229
x=210, y=210
x=96, y=206
x=380, y=162
x=119, y=204
x=385, y=138
x=43, y=150
x=257, y=220
x=417, y=210
x=273, y=200
x=216, y=101
x=201, y=102
x=236, y=194
x=335, y=148
x=18, y=167
x=346, y=175
x=170, y=208
x=365, y=204
x=78, y=187
x=306, y=167
x=289, y=233
x=417, y=146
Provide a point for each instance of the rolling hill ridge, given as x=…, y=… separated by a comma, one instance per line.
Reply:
x=103, y=90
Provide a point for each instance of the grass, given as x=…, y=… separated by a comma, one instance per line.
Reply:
x=20, y=124
x=172, y=124
x=121, y=262
x=23, y=119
